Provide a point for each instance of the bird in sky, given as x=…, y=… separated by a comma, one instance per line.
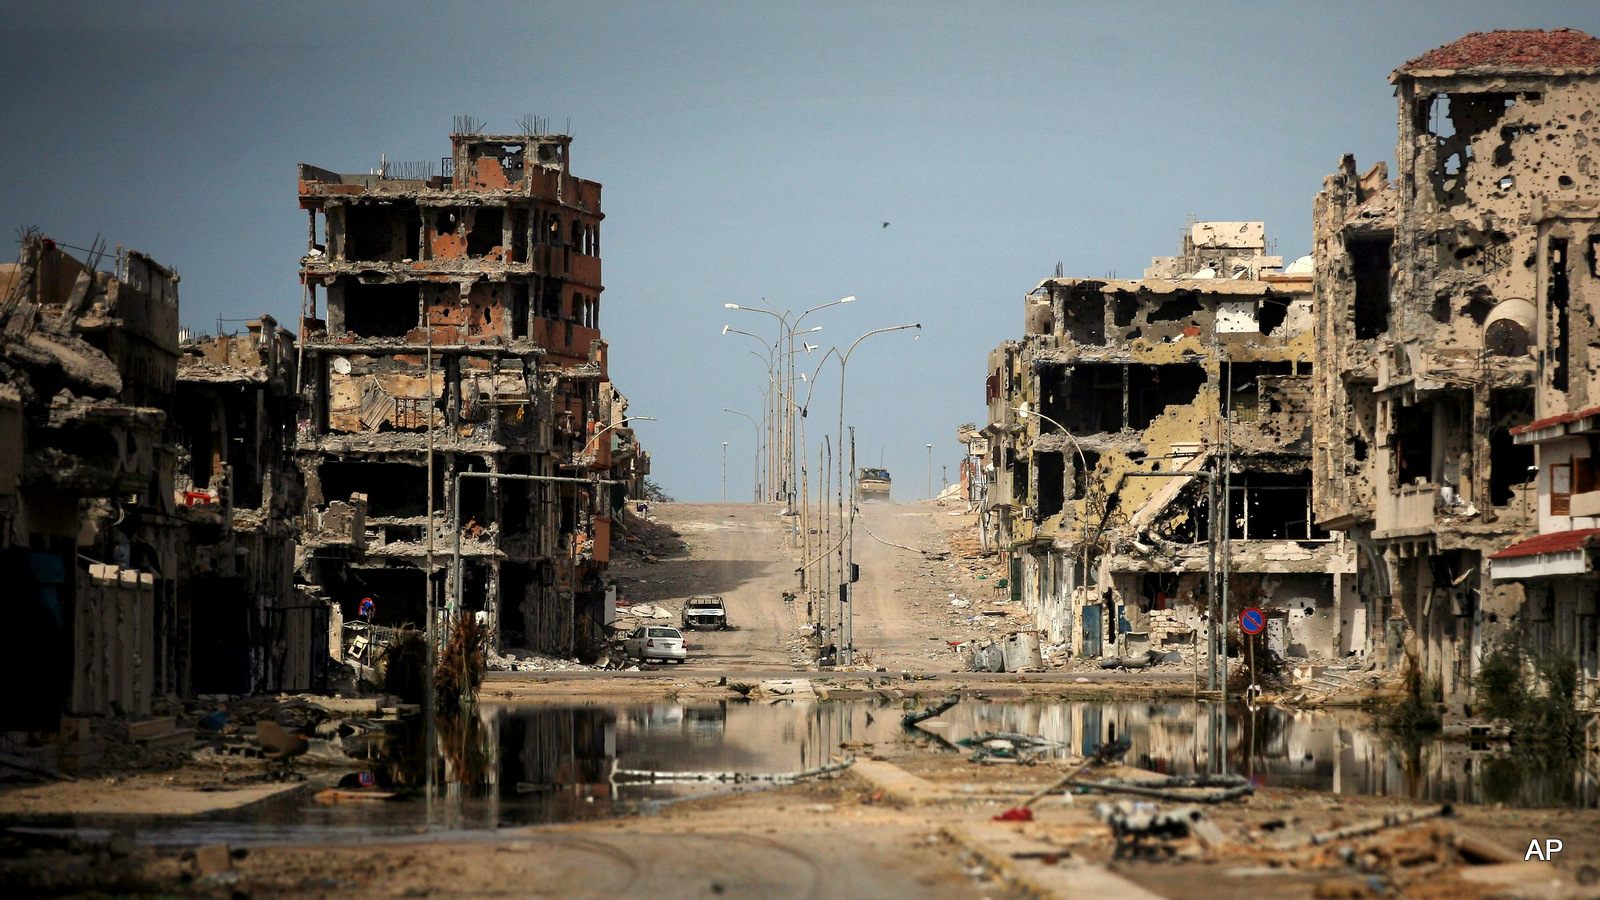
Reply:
x=886, y=224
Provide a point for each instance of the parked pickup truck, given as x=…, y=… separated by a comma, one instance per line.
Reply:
x=705, y=611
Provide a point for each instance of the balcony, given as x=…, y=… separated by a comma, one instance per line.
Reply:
x=1411, y=510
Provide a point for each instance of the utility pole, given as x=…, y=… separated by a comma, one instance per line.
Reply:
x=724, y=471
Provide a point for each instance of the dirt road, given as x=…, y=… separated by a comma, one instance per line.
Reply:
x=912, y=605
x=735, y=550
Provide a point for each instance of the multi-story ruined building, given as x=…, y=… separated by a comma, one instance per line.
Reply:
x=1130, y=408
x=1553, y=147
x=459, y=311
x=239, y=495
x=90, y=553
x=1448, y=319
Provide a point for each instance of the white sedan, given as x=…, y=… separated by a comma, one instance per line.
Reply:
x=655, y=642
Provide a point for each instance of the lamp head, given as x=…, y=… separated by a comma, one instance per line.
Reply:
x=725, y=328
x=1022, y=411
x=730, y=306
x=848, y=299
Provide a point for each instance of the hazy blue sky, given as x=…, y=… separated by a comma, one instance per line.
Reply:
x=748, y=150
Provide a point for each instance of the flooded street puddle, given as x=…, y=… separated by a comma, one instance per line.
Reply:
x=514, y=765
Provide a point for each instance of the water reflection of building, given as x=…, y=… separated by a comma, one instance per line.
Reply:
x=1339, y=752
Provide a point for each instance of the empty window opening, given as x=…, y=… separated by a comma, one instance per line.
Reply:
x=1511, y=465
x=485, y=235
x=1561, y=326
x=1125, y=307
x=477, y=494
x=1480, y=302
x=511, y=162
x=1270, y=313
x=394, y=490
x=445, y=222
x=1095, y=399
x=1413, y=445
x=1592, y=255
x=1151, y=389
x=375, y=310
x=1052, y=485
x=1176, y=308
x=1272, y=507
x=1187, y=519
x=1083, y=469
x=519, y=235
x=516, y=310
x=1441, y=305
x=1019, y=481
x=398, y=594
x=474, y=586
x=1369, y=264
x=1053, y=405
x=1243, y=397
x=1084, y=315
x=516, y=584
x=550, y=299
x=381, y=232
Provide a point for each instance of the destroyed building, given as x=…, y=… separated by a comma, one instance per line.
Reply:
x=91, y=551
x=238, y=496
x=1130, y=408
x=1454, y=304
x=458, y=311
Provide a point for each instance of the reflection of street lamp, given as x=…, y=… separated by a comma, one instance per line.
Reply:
x=755, y=475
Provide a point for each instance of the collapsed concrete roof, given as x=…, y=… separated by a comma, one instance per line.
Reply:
x=1509, y=51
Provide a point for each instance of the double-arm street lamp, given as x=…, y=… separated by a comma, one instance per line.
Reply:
x=846, y=654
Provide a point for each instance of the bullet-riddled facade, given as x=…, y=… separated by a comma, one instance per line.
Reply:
x=491, y=270
x=1112, y=442
x=1446, y=305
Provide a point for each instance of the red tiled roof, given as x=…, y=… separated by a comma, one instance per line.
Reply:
x=1555, y=542
x=1512, y=50
x=1557, y=420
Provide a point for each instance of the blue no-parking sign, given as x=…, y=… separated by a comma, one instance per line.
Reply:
x=1252, y=620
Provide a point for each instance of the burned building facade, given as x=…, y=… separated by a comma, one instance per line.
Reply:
x=238, y=496
x=91, y=551
x=1128, y=411
x=458, y=312
x=1451, y=316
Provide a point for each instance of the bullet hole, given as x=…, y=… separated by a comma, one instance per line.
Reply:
x=1565, y=181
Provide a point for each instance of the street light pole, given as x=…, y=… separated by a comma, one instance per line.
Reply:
x=755, y=472
x=846, y=562
x=930, y=473
x=788, y=449
x=724, y=471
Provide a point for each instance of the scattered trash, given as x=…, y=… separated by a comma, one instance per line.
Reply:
x=912, y=718
x=651, y=776
x=1019, y=814
x=1144, y=831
